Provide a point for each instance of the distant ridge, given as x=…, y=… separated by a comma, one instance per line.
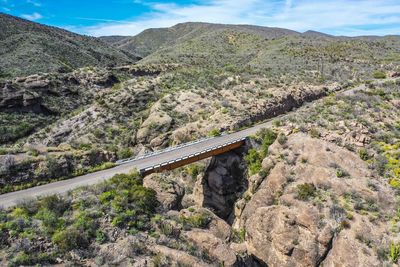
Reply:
x=150, y=40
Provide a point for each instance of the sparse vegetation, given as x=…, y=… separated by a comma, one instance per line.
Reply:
x=305, y=191
x=379, y=75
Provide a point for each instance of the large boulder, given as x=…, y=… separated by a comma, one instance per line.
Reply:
x=214, y=246
x=158, y=122
x=320, y=204
x=169, y=192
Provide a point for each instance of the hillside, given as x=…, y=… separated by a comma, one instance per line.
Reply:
x=28, y=48
x=289, y=58
x=151, y=40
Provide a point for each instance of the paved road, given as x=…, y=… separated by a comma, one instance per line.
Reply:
x=10, y=199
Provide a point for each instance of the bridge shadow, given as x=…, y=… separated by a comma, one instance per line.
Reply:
x=224, y=181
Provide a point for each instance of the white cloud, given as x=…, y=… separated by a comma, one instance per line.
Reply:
x=33, y=16
x=33, y=2
x=341, y=17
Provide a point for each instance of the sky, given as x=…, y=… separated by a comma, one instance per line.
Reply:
x=130, y=17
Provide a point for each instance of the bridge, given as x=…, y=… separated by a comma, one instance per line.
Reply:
x=179, y=161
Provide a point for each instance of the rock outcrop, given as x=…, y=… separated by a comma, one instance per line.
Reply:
x=330, y=224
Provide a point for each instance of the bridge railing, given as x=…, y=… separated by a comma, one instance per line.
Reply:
x=168, y=149
x=144, y=170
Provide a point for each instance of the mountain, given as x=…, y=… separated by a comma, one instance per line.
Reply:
x=27, y=47
x=150, y=40
x=311, y=33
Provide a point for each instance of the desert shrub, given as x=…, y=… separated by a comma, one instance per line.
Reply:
x=394, y=252
x=198, y=220
x=379, y=75
x=100, y=167
x=21, y=259
x=306, y=191
x=85, y=146
x=363, y=153
x=395, y=183
x=14, y=132
x=214, y=132
x=277, y=123
x=314, y=133
x=340, y=173
x=55, y=203
x=193, y=170
x=33, y=152
x=70, y=238
x=30, y=207
x=101, y=237
x=166, y=228
x=380, y=164
x=7, y=164
x=130, y=203
x=253, y=159
x=124, y=153
x=239, y=236
x=268, y=138
x=52, y=166
x=345, y=224
x=50, y=221
x=282, y=139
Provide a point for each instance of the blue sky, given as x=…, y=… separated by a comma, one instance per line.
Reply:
x=129, y=17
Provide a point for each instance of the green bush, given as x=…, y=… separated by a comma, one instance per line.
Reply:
x=379, y=75
x=305, y=191
x=125, y=153
x=253, y=159
x=55, y=203
x=340, y=173
x=50, y=221
x=130, y=202
x=214, y=132
x=193, y=170
x=394, y=252
x=70, y=238
x=282, y=139
x=198, y=220
x=239, y=236
x=22, y=258
x=85, y=146
x=363, y=153
x=101, y=237
x=268, y=137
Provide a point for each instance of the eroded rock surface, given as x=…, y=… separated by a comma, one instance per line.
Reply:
x=330, y=225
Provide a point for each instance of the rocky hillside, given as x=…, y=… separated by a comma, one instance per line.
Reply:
x=29, y=48
x=318, y=188
x=151, y=40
